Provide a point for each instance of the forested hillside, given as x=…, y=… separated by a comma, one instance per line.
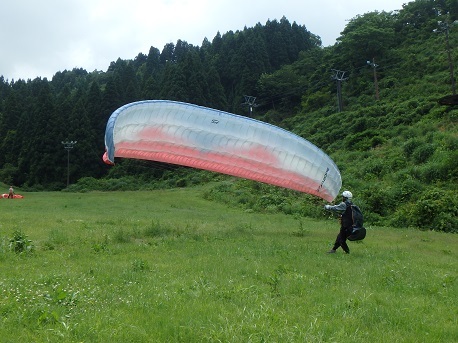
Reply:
x=370, y=101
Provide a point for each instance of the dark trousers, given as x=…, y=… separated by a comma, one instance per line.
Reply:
x=341, y=240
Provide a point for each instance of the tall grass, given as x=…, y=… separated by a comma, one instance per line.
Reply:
x=170, y=266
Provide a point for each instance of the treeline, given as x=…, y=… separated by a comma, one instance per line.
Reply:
x=395, y=145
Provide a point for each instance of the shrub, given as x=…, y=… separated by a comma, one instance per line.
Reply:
x=450, y=143
x=446, y=221
x=20, y=243
x=403, y=217
x=377, y=141
x=448, y=166
x=362, y=140
x=406, y=190
x=442, y=167
x=377, y=200
x=373, y=166
x=436, y=210
x=409, y=146
x=422, y=153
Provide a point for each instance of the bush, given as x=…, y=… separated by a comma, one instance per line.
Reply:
x=436, y=210
x=407, y=190
x=20, y=243
x=402, y=217
x=446, y=221
x=363, y=140
x=373, y=166
x=448, y=166
x=377, y=200
x=422, y=153
x=410, y=145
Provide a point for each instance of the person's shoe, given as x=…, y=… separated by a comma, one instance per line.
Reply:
x=332, y=251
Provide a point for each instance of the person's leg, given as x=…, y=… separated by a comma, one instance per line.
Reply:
x=343, y=240
x=343, y=244
x=336, y=245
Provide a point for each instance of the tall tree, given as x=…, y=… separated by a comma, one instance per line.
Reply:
x=365, y=37
x=41, y=148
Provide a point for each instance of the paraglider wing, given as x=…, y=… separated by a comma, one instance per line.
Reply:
x=205, y=138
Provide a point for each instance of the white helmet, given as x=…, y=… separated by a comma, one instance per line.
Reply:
x=347, y=194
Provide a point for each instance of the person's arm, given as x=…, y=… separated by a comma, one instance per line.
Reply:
x=336, y=208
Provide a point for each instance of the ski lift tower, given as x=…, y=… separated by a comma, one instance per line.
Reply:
x=250, y=101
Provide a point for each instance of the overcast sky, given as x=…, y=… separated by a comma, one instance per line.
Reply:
x=40, y=38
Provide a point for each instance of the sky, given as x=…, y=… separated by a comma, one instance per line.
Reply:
x=40, y=38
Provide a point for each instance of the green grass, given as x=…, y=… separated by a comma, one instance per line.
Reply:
x=169, y=266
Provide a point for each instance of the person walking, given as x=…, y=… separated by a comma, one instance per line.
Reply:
x=346, y=221
x=11, y=193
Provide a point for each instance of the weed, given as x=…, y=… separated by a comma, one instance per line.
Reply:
x=48, y=317
x=101, y=246
x=156, y=229
x=301, y=232
x=20, y=243
x=274, y=280
x=139, y=265
x=121, y=236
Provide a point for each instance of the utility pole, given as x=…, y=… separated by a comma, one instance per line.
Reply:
x=339, y=77
x=250, y=101
x=374, y=66
x=68, y=145
x=445, y=27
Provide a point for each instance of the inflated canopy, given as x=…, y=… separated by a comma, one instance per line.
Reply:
x=205, y=138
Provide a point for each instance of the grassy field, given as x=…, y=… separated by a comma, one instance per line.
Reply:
x=169, y=266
